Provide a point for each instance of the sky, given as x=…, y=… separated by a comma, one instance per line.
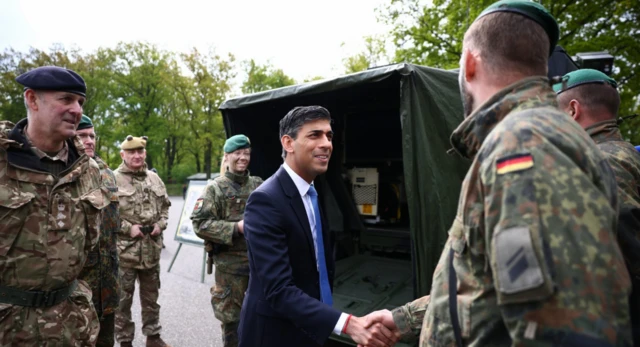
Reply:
x=304, y=38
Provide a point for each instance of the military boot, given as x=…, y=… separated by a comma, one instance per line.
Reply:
x=126, y=344
x=156, y=341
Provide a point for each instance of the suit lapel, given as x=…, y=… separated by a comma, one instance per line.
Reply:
x=297, y=205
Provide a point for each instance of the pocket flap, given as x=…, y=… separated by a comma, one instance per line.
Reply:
x=11, y=198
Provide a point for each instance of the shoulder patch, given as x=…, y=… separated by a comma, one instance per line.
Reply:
x=514, y=163
x=198, y=206
x=518, y=266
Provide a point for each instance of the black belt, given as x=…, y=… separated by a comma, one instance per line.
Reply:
x=35, y=298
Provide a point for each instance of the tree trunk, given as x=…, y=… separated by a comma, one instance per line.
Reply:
x=207, y=159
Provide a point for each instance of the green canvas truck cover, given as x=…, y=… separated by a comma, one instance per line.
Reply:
x=413, y=109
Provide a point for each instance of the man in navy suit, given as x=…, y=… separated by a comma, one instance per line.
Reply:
x=288, y=301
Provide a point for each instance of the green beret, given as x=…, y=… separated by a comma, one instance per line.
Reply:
x=531, y=10
x=85, y=123
x=132, y=142
x=53, y=78
x=235, y=143
x=583, y=76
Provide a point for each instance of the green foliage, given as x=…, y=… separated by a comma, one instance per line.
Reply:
x=140, y=89
x=375, y=54
x=264, y=77
x=431, y=32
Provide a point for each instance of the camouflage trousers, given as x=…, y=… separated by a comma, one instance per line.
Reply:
x=226, y=298
x=149, y=280
x=73, y=322
x=106, y=338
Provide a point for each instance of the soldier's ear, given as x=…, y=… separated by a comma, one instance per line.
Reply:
x=575, y=109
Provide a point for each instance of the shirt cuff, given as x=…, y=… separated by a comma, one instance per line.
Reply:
x=340, y=324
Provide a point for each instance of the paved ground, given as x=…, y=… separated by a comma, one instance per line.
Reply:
x=186, y=315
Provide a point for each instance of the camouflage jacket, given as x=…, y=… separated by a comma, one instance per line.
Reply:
x=48, y=225
x=533, y=243
x=143, y=200
x=101, y=269
x=625, y=162
x=216, y=214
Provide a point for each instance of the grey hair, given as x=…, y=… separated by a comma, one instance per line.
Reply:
x=294, y=120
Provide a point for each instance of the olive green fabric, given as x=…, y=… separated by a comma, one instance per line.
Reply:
x=425, y=107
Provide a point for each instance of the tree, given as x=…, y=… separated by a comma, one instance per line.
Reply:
x=375, y=54
x=264, y=77
x=141, y=98
x=201, y=96
x=431, y=32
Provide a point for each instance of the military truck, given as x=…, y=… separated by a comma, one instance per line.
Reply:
x=391, y=190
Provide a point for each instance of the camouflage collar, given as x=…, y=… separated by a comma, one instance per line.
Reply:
x=101, y=163
x=524, y=94
x=240, y=179
x=605, y=131
x=123, y=168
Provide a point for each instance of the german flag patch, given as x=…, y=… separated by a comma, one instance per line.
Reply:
x=514, y=163
x=198, y=206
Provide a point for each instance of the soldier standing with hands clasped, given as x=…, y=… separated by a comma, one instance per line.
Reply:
x=144, y=209
x=218, y=219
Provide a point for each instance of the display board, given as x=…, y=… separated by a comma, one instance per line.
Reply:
x=184, y=232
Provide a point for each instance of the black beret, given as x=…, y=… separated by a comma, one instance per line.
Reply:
x=53, y=78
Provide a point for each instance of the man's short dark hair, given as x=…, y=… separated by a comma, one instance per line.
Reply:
x=510, y=44
x=592, y=96
x=294, y=120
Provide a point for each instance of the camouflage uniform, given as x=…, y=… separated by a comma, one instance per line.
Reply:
x=215, y=218
x=48, y=224
x=143, y=200
x=101, y=269
x=534, y=251
x=625, y=162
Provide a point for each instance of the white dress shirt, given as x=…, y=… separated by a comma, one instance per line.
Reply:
x=303, y=189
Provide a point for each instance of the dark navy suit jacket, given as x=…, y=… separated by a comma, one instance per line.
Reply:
x=282, y=305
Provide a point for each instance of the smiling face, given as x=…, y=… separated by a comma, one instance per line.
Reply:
x=238, y=161
x=55, y=113
x=309, y=153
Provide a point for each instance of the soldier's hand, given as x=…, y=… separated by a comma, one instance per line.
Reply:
x=241, y=227
x=156, y=230
x=135, y=231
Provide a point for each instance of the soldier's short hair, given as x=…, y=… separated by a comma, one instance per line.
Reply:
x=510, y=43
x=591, y=96
x=293, y=121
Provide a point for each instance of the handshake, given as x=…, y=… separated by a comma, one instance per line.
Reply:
x=376, y=329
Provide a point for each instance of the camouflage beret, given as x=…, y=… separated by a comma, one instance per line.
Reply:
x=531, y=10
x=235, y=143
x=53, y=78
x=85, y=123
x=132, y=142
x=583, y=76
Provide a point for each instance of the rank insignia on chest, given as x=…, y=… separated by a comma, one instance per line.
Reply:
x=514, y=163
x=198, y=206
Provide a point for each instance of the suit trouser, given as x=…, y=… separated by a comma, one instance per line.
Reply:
x=227, y=295
x=149, y=280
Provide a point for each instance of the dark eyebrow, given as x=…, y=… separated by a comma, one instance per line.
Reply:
x=318, y=131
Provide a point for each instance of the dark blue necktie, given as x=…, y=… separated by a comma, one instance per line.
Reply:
x=325, y=288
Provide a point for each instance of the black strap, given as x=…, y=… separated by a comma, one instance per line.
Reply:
x=453, y=300
x=36, y=298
